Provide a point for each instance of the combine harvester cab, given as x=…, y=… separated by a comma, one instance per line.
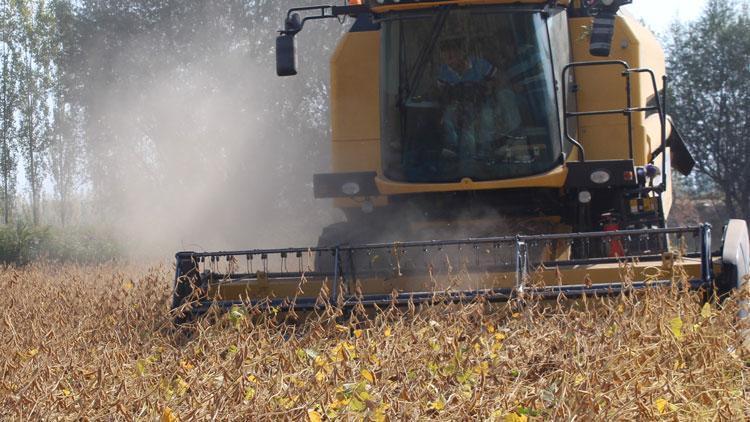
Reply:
x=531, y=138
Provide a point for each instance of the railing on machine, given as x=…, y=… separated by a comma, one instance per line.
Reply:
x=659, y=107
x=512, y=254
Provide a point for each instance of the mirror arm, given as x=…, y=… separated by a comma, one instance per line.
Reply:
x=324, y=12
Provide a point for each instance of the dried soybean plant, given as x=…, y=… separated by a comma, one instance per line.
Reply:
x=97, y=342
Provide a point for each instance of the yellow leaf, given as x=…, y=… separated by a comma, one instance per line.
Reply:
x=438, y=404
x=364, y=396
x=167, y=415
x=33, y=352
x=252, y=378
x=706, y=310
x=612, y=330
x=186, y=365
x=343, y=351
x=515, y=417
x=579, y=379
x=320, y=376
x=314, y=416
x=369, y=376
x=286, y=402
x=675, y=325
x=301, y=355
x=140, y=367
x=357, y=333
x=127, y=286
x=482, y=368
x=236, y=314
x=374, y=360
x=249, y=393
x=166, y=388
x=338, y=404
x=500, y=336
x=661, y=405
x=388, y=332
x=66, y=392
x=467, y=391
x=379, y=414
x=357, y=405
x=342, y=328
x=181, y=386
x=465, y=378
x=490, y=328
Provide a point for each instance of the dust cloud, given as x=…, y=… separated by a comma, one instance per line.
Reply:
x=211, y=153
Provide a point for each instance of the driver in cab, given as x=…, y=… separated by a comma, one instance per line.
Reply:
x=478, y=103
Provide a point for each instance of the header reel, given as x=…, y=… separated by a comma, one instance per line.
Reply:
x=494, y=269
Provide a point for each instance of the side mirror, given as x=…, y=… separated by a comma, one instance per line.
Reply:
x=286, y=46
x=293, y=23
x=602, y=33
x=286, y=55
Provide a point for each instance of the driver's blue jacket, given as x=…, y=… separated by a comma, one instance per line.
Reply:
x=479, y=70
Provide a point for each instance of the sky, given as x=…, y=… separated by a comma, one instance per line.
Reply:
x=659, y=14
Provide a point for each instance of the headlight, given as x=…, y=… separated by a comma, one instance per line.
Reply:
x=600, y=177
x=350, y=189
x=584, y=197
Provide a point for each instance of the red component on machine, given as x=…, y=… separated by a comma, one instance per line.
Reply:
x=610, y=224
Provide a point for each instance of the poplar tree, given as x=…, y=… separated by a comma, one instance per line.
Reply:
x=9, y=65
x=65, y=153
x=34, y=110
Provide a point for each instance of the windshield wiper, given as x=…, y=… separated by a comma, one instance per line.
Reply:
x=418, y=70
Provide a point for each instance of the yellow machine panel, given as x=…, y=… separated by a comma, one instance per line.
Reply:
x=355, y=106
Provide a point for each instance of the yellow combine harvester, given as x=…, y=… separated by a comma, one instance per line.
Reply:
x=532, y=135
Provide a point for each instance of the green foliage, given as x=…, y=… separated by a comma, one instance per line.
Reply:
x=23, y=243
x=709, y=62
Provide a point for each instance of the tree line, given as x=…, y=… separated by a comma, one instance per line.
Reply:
x=30, y=95
x=709, y=66
x=127, y=99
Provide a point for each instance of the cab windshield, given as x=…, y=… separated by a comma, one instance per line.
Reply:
x=467, y=93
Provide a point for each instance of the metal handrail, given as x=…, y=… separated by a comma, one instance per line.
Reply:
x=627, y=111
